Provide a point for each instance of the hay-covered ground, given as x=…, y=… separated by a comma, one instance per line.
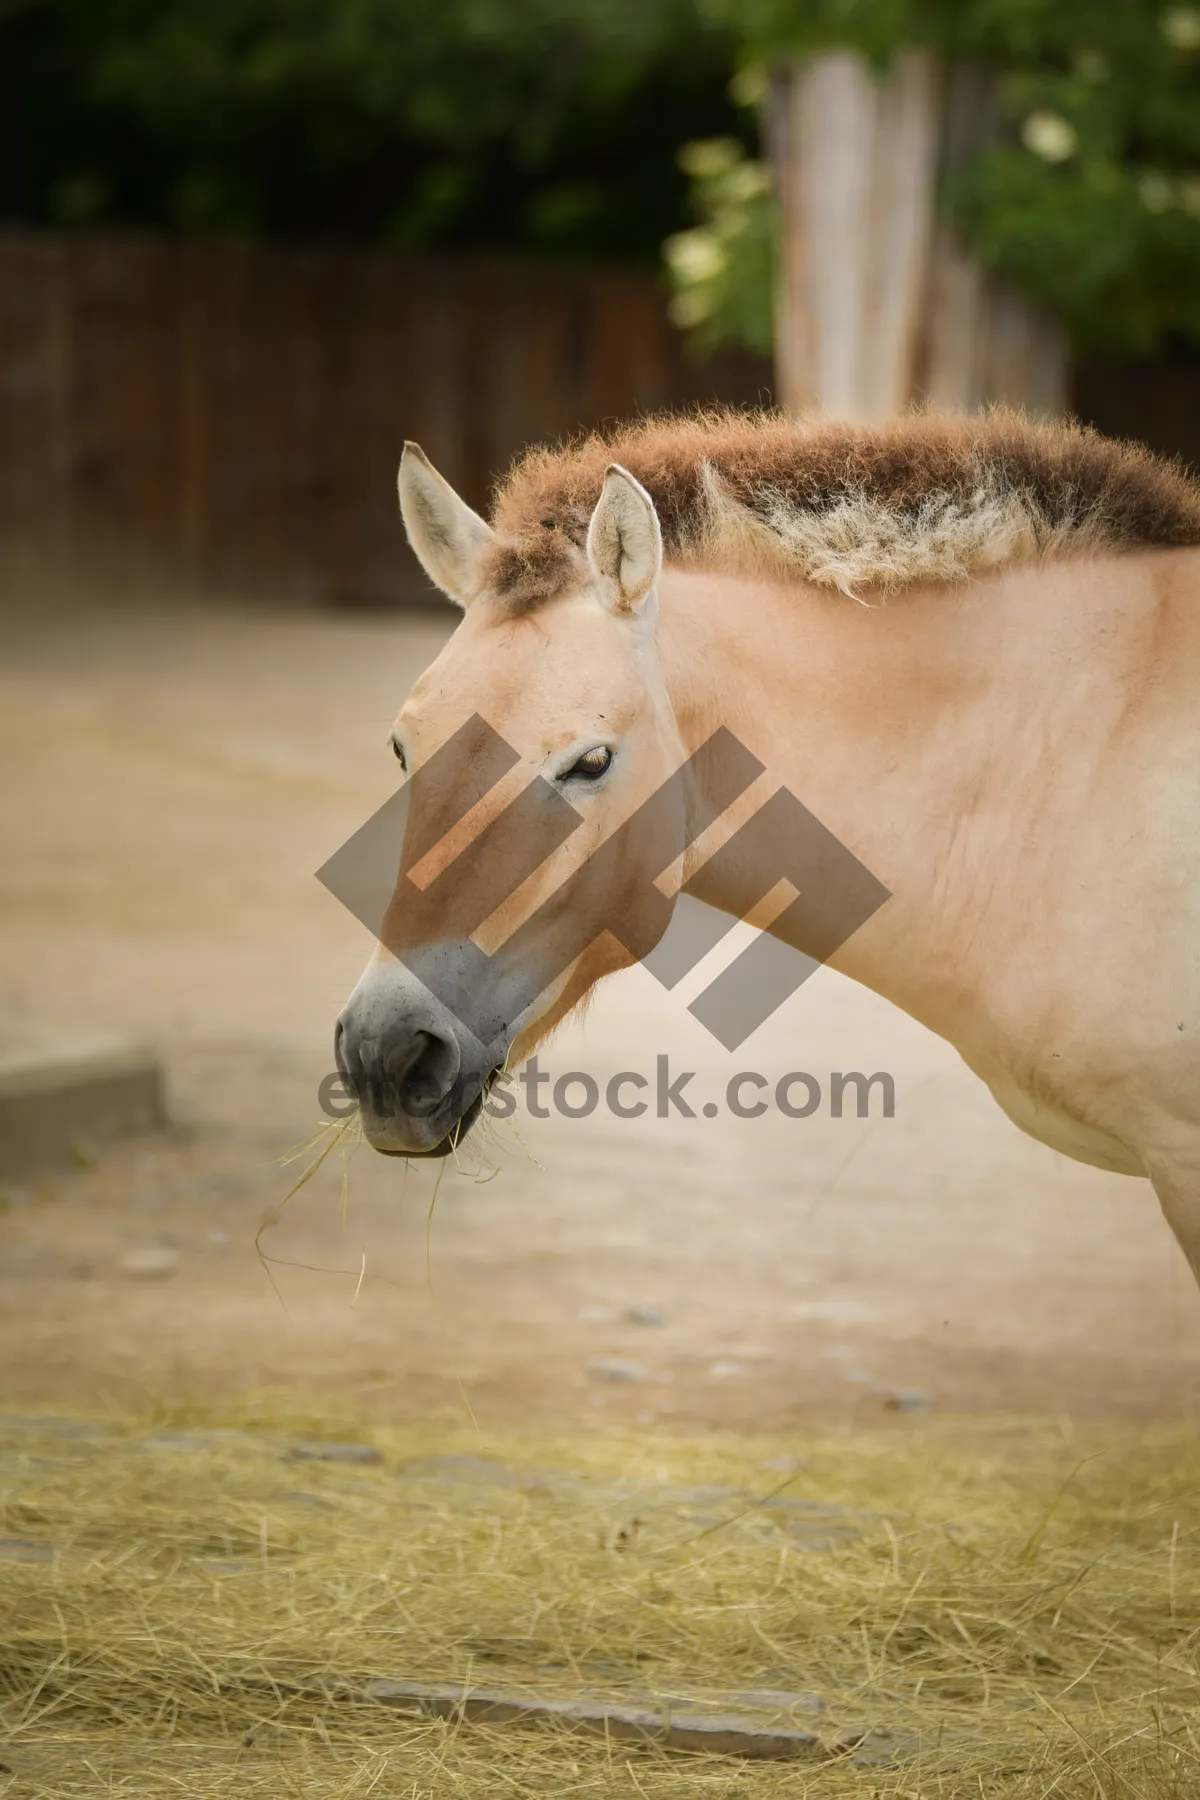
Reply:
x=187, y=1606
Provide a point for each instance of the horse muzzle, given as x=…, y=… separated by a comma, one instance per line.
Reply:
x=420, y=1078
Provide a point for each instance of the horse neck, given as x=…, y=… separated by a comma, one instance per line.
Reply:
x=906, y=728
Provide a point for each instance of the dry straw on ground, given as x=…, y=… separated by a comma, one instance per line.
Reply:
x=186, y=1608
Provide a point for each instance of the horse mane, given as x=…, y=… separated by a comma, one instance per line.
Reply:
x=854, y=507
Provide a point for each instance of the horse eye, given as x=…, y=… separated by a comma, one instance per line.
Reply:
x=591, y=765
x=398, y=753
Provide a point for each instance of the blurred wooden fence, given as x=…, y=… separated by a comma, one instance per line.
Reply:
x=211, y=416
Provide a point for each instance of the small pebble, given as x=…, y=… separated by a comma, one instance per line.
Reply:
x=909, y=1400
x=614, y=1368
x=153, y=1263
x=725, y=1370
x=645, y=1315
x=343, y=1453
x=23, y=1550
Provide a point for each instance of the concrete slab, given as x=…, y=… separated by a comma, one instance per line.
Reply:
x=677, y=1723
x=65, y=1091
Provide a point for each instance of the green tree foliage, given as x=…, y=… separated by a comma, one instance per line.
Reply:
x=548, y=124
x=723, y=269
x=554, y=125
x=1089, y=200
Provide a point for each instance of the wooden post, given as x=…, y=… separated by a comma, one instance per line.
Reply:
x=879, y=306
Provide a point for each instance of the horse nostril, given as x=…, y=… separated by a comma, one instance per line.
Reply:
x=423, y=1070
x=347, y=1054
x=398, y=1055
x=401, y=1058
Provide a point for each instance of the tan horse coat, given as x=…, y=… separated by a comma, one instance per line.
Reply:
x=1011, y=742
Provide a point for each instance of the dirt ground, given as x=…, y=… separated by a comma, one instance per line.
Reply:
x=173, y=778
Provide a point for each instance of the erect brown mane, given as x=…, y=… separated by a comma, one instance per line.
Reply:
x=848, y=506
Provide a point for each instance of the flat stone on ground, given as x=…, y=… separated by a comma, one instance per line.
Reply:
x=64, y=1092
x=341, y=1453
x=716, y=1727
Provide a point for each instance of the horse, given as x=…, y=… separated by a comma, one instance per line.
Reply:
x=970, y=647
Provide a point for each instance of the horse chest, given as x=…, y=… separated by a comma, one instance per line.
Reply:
x=1050, y=1125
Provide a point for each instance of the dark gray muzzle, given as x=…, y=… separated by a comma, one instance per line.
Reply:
x=417, y=1073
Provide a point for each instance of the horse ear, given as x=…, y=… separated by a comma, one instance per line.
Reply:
x=624, y=543
x=448, y=538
